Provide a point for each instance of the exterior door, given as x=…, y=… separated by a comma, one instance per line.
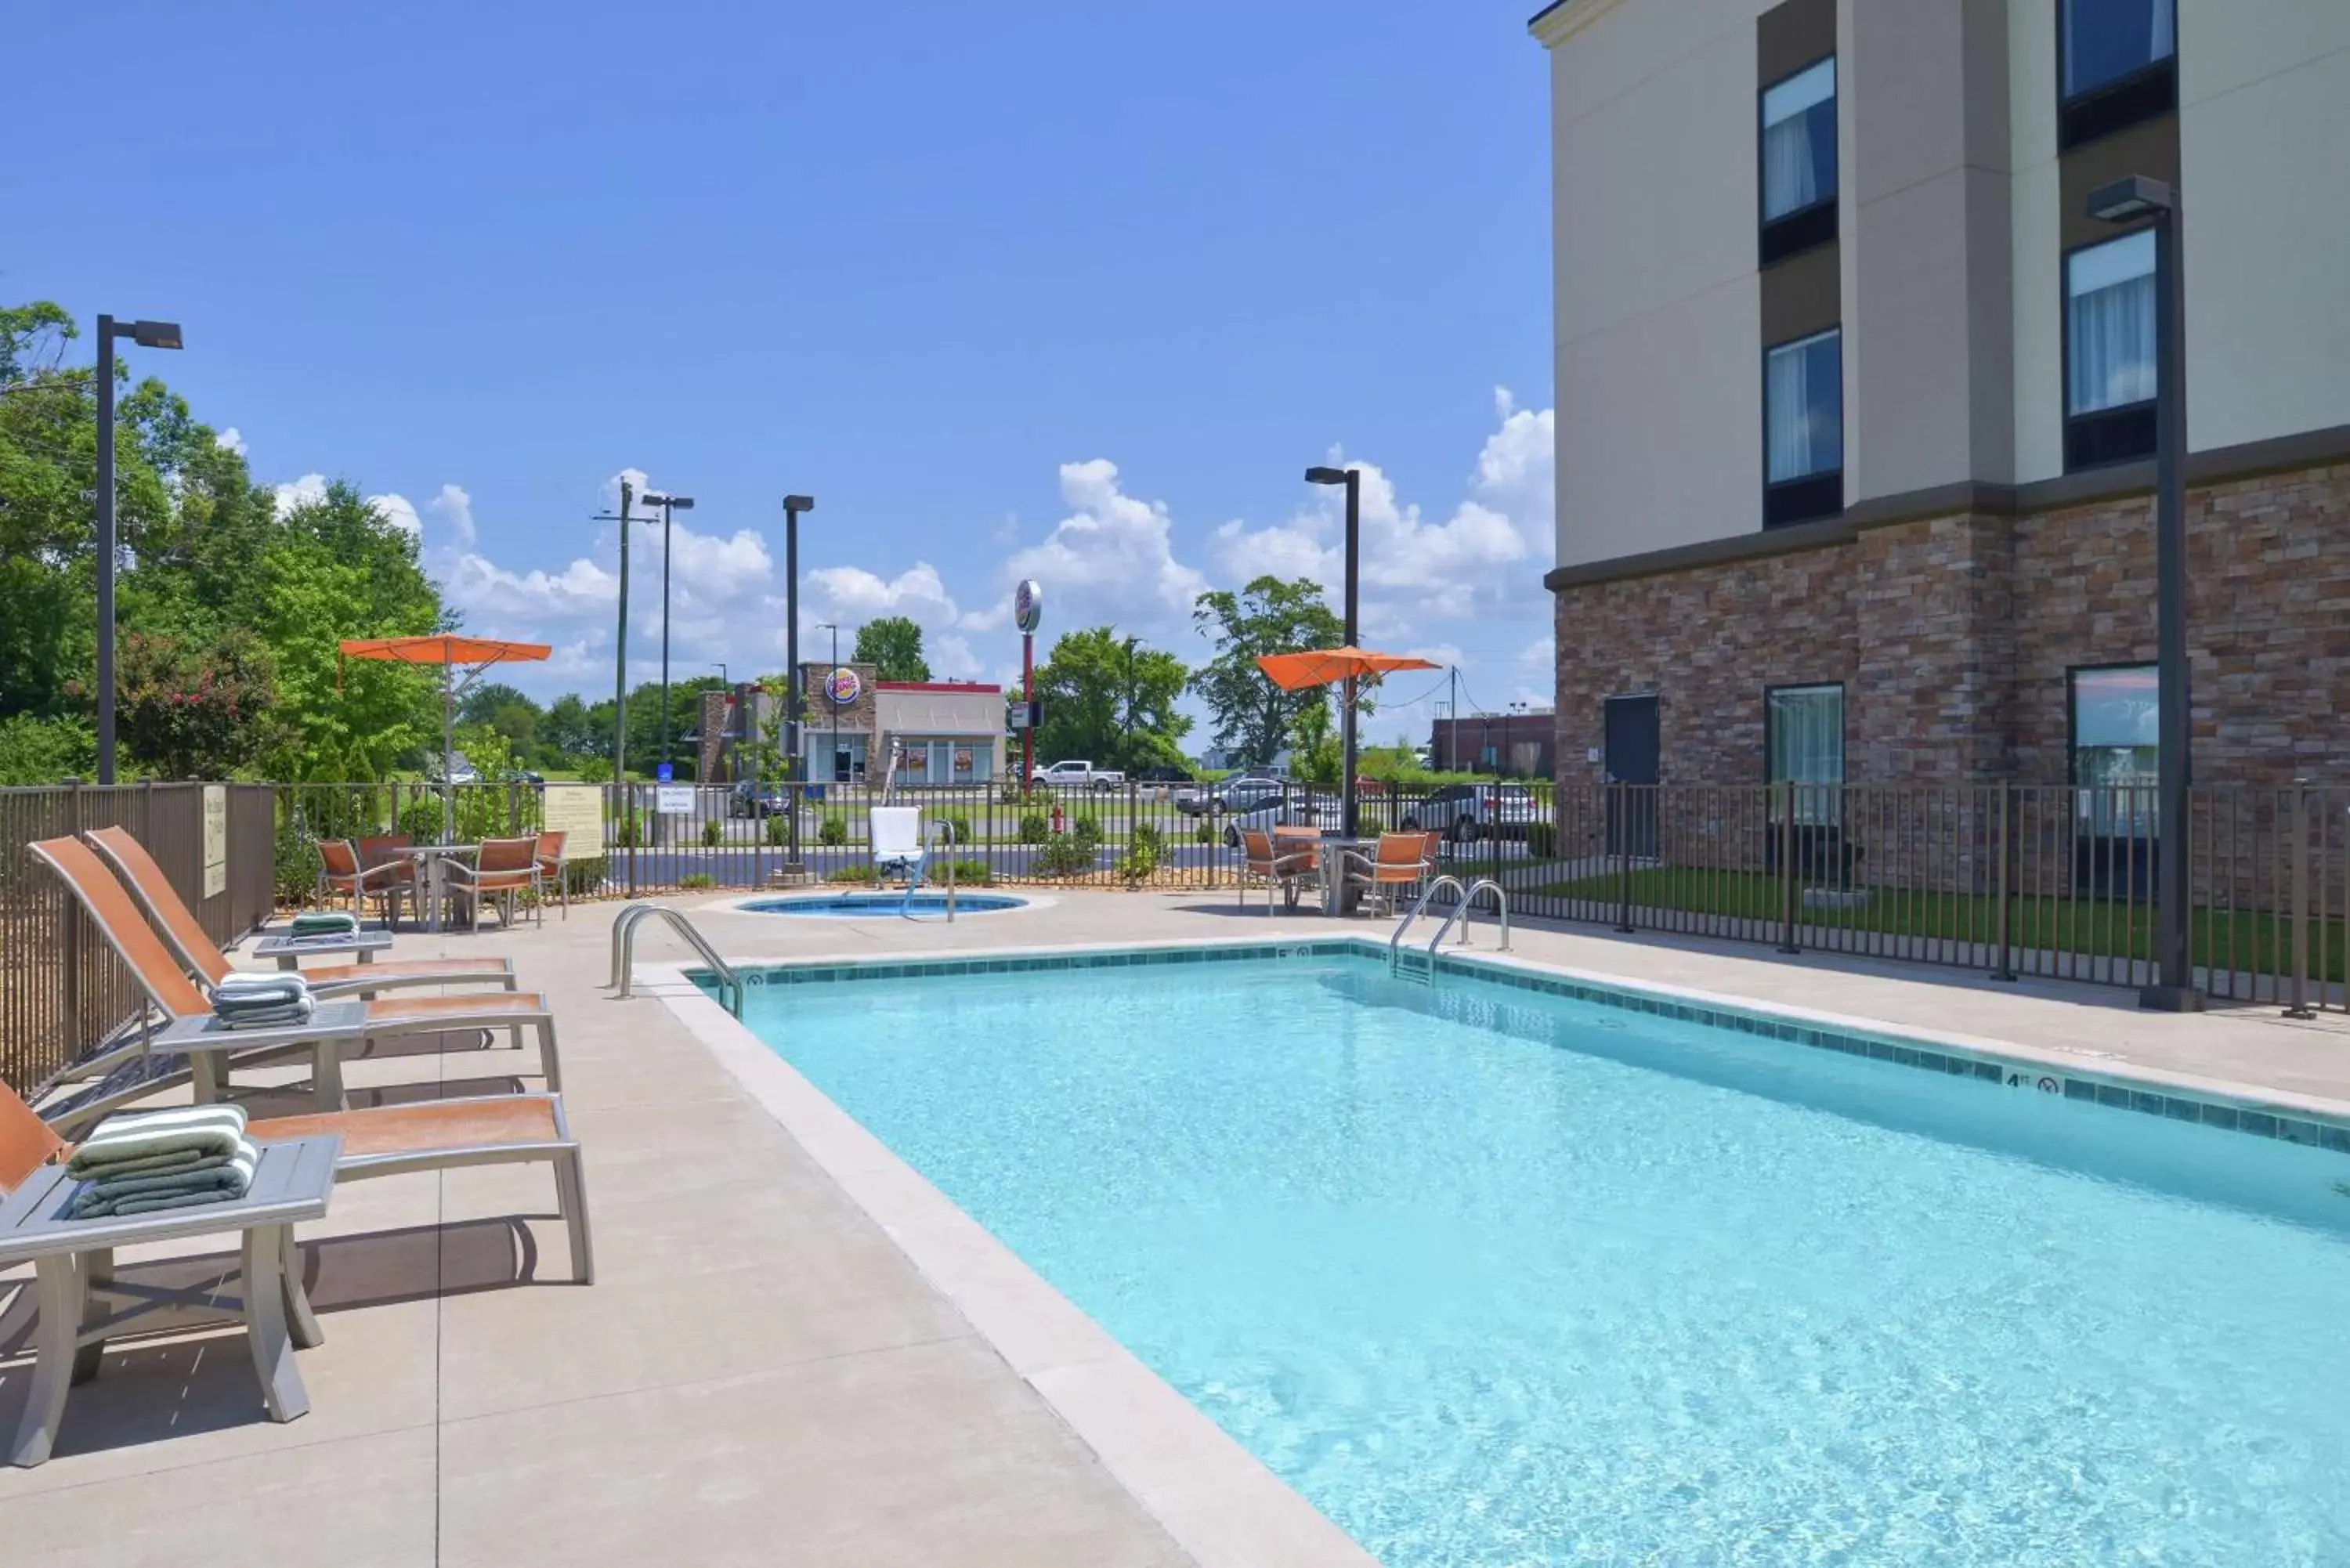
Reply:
x=1634, y=751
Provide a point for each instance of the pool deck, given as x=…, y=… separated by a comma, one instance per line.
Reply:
x=765, y=1371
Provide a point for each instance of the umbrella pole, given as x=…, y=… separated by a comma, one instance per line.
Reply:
x=1347, y=766
x=447, y=766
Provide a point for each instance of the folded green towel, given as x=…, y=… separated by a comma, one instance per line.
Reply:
x=324, y=923
x=149, y=1165
x=223, y=1179
x=202, y=1129
x=130, y=1206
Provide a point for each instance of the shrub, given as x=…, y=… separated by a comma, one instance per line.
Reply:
x=1034, y=827
x=969, y=872
x=1064, y=856
x=1542, y=840
x=713, y=834
x=583, y=877
x=853, y=874
x=43, y=751
x=697, y=880
x=1085, y=827
x=833, y=829
x=957, y=825
x=779, y=831
x=1138, y=863
x=1203, y=834
x=1149, y=835
x=297, y=874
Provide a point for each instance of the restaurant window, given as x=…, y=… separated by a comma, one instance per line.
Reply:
x=1799, y=161
x=2116, y=722
x=2109, y=351
x=1803, y=421
x=2119, y=65
x=1804, y=742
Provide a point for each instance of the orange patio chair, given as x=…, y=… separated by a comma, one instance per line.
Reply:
x=1277, y=866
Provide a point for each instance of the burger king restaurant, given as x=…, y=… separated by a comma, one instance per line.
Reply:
x=949, y=732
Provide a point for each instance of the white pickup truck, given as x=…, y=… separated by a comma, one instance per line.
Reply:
x=1076, y=775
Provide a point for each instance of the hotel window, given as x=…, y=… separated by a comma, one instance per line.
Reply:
x=2119, y=65
x=2116, y=722
x=2109, y=365
x=1803, y=429
x=1799, y=161
x=1804, y=745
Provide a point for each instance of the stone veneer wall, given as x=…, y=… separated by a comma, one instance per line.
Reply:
x=1953, y=636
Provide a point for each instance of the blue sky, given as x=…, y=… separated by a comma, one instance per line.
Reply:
x=1072, y=289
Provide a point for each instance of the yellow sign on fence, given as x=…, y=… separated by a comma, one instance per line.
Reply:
x=215, y=840
x=577, y=811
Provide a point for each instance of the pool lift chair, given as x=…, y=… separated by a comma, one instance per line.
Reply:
x=897, y=836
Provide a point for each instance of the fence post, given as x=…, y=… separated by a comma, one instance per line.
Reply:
x=2002, y=968
x=1783, y=797
x=1619, y=818
x=2298, y=1006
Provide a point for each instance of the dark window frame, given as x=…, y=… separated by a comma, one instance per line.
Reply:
x=2146, y=93
x=2091, y=439
x=2120, y=858
x=1813, y=496
x=1807, y=227
x=2072, y=673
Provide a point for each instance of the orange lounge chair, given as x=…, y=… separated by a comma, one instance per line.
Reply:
x=202, y=958
x=177, y=997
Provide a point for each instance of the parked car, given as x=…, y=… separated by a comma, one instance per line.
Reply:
x=752, y=798
x=525, y=777
x=1294, y=807
x=1164, y=775
x=1073, y=775
x=1242, y=792
x=1462, y=812
x=451, y=769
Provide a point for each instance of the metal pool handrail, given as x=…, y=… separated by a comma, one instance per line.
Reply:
x=624, y=944
x=1395, y=942
x=1461, y=912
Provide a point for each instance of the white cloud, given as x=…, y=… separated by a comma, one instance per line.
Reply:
x=1111, y=559
x=230, y=439
x=398, y=511
x=457, y=508
x=302, y=492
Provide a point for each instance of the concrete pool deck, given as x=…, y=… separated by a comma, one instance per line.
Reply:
x=764, y=1372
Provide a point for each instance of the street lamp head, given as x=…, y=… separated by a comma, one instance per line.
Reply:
x=2130, y=198
x=674, y=502
x=1326, y=476
x=153, y=333
x=799, y=503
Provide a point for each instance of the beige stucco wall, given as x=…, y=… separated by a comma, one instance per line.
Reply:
x=2265, y=184
x=1658, y=312
x=2038, y=309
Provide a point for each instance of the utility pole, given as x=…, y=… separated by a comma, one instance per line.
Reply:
x=1452, y=727
x=792, y=684
x=620, y=685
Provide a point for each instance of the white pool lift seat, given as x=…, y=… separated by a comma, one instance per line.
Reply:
x=897, y=836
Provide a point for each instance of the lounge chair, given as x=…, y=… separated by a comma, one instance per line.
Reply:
x=1277, y=866
x=897, y=835
x=1402, y=862
x=342, y=869
x=202, y=958
x=176, y=996
x=504, y=870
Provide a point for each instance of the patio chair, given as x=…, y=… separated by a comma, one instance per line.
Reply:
x=200, y=956
x=504, y=870
x=896, y=835
x=342, y=869
x=549, y=859
x=1276, y=866
x=1402, y=862
x=176, y=996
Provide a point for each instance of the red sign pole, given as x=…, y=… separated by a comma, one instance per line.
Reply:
x=1028, y=696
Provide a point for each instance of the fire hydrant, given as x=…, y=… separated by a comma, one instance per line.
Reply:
x=1056, y=816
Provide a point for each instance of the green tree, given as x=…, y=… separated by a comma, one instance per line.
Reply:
x=189, y=712
x=645, y=724
x=1111, y=700
x=1253, y=716
x=569, y=729
x=505, y=709
x=893, y=646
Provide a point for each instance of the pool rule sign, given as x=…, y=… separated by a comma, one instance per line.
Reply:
x=1027, y=610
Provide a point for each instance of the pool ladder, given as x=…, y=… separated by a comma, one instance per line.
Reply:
x=1424, y=968
x=624, y=948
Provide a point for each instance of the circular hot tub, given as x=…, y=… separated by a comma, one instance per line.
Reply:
x=843, y=906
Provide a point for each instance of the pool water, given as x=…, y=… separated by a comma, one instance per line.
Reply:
x=1499, y=1277
x=921, y=903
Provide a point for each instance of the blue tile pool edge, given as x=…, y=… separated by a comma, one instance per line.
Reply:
x=2117, y=1092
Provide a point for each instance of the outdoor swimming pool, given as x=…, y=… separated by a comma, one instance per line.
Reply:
x=923, y=904
x=1496, y=1277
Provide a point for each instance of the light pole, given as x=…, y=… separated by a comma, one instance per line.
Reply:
x=832, y=766
x=625, y=802
x=667, y=504
x=2126, y=201
x=1352, y=479
x=147, y=335
x=792, y=711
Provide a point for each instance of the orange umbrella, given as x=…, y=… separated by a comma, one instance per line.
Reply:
x=448, y=651
x=1323, y=666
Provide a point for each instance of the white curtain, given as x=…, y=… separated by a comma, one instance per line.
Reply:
x=2111, y=325
x=1803, y=392
x=1793, y=164
x=1806, y=748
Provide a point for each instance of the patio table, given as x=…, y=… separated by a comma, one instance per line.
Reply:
x=290, y=950
x=208, y=1044
x=73, y=1261
x=1337, y=899
x=428, y=859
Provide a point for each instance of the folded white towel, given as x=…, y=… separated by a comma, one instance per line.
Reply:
x=262, y=983
x=206, y=1130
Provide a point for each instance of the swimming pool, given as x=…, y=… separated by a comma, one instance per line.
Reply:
x=1494, y=1277
x=837, y=905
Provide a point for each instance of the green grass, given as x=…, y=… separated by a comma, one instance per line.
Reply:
x=2100, y=928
